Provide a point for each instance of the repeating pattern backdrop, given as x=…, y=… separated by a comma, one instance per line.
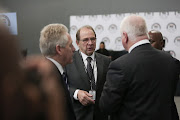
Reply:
x=107, y=28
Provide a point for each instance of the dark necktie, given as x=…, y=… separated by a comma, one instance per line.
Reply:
x=65, y=78
x=90, y=73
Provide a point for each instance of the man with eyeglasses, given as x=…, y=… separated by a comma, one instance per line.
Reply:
x=86, y=76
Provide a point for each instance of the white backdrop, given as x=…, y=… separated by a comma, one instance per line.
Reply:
x=107, y=28
x=10, y=20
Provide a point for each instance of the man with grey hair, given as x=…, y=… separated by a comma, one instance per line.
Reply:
x=138, y=86
x=56, y=46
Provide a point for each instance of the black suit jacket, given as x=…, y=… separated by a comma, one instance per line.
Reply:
x=140, y=86
x=78, y=79
x=69, y=111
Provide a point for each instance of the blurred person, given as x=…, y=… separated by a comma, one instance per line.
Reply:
x=56, y=45
x=102, y=49
x=28, y=91
x=87, y=75
x=138, y=86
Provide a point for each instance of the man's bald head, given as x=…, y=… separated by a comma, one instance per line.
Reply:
x=156, y=39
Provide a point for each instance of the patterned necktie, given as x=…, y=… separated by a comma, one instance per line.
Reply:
x=90, y=73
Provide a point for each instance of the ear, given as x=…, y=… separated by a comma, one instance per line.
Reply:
x=126, y=37
x=77, y=42
x=58, y=49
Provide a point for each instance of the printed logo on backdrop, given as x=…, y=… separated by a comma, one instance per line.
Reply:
x=106, y=17
x=106, y=40
x=177, y=14
x=93, y=17
x=99, y=29
x=156, y=26
x=79, y=18
x=73, y=29
x=164, y=15
x=166, y=40
x=112, y=28
x=9, y=20
x=5, y=20
x=172, y=53
x=171, y=27
x=118, y=43
x=120, y=16
x=177, y=41
x=149, y=15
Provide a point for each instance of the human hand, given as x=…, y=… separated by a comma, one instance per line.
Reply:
x=85, y=98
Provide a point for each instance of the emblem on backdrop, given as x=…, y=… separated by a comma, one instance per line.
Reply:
x=112, y=28
x=73, y=29
x=156, y=26
x=177, y=41
x=106, y=40
x=99, y=29
x=166, y=40
x=171, y=27
x=5, y=20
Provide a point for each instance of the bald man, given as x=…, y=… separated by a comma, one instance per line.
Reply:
x=156, y=39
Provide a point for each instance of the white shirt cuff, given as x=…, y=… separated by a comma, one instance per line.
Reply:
x=75, y=94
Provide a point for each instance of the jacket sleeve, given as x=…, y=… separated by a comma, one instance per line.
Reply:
x=114, y=89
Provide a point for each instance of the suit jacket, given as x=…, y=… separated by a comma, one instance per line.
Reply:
x=69, y=111
x=78, y=79
x=140, y=86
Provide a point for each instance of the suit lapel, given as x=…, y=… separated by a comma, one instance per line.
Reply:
x=81, y=68
x=99, y=63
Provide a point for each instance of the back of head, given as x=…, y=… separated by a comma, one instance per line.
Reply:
x=134, y=26
x=156, y=39
x=52, y=35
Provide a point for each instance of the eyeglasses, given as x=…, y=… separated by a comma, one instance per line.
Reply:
x=86, y=40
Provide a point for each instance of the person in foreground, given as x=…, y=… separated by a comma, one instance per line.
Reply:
x=56, y=46
x=141, y=84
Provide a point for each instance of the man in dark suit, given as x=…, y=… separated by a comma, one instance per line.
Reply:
x=141, y=84
x=86, y=83
x=157, y=41
x=56, y=45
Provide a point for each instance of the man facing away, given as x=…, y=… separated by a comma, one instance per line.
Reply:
x=56, y=45
x=138, y=86
x=157, y=41
x=87, y=75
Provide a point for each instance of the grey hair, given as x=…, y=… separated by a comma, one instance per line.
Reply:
x=134, y=26
x=52, y=35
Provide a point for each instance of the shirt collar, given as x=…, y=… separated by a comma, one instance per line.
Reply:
x=59, y=66
x=138, y=43
x=84, y=56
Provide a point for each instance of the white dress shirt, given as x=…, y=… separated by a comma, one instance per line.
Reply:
x=94, y=67
x=137, y=44
x=59, y=66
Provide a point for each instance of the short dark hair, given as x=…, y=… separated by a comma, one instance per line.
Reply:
x=78, y=32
